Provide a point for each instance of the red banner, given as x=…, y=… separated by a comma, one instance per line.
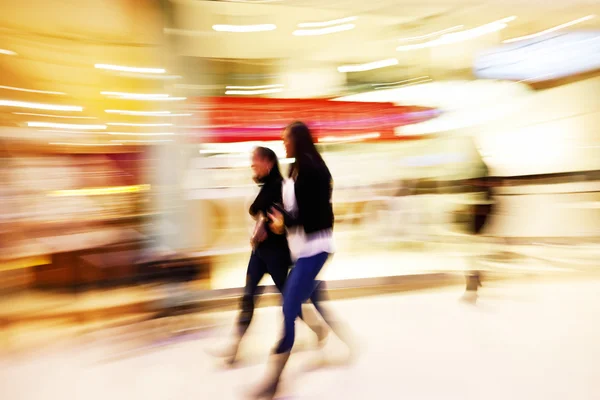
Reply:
x=234, y=119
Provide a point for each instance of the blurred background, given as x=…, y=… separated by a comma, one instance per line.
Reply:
x=126, y=128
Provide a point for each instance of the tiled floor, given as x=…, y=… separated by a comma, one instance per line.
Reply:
x=522, y=341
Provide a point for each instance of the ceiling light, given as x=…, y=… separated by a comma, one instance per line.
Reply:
x=142, y=96
x=554, y=29
x=100, y=191
x=30, y=90
x=130, y=69
x=252, y=92
x=151, y=95
x=70, y=132
x=7, y=52
x=196, y=87
x=146, y=98
x=323, y=31
x=252, y=1
x=369, y=66
x=326, y=23
x=407, y=83
x=140, y=113
x=402, y=81
x=186, y=32
x=141, y=134
x=351, y=138
x=39, y=106
x=461, y=36
x=149, y=76
x=84, y=144
x=432, y=34
x=254, y=87
x=130, y=124
x=143, y=141
x=65, y=126
x=244, y=28
x=52, y=116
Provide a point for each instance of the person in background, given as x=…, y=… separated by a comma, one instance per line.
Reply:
x=481, y=212
x=307, y=216
x=270, y=254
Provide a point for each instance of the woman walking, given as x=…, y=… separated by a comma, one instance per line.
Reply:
x=270, y=254
x=307, y=215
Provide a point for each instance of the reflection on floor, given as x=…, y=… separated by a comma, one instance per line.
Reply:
x=521, y=341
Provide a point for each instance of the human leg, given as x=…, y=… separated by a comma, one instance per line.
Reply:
x=255, y=272
x=278, y=267
x=298, y=288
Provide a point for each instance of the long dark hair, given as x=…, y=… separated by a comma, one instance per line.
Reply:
x=269, y=155
x=304, y=147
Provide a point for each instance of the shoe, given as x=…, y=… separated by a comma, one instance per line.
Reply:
x=470, y=297
x=267, y=389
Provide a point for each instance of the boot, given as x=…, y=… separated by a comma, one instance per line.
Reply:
x=310, y=317
x=267, y=388
x=228, y=352
x=335, y=356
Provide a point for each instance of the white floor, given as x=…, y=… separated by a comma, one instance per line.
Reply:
x=522, y=341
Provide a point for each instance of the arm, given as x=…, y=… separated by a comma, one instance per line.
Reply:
x=280, y=218
x=261, y=203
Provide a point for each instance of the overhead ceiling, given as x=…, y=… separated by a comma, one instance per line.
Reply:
x=58, y=42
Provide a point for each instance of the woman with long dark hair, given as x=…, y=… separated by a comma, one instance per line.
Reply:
x=270, y=254
x=307, y=216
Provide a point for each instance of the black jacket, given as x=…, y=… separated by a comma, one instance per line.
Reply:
x=313, y=188
x=269, y=195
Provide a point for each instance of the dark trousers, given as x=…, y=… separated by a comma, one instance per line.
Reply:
x=275, y=263
x=301, y=286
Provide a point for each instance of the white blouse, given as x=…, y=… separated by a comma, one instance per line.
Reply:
x=301, y=244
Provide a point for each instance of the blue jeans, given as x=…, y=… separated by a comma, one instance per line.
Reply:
x=301, y=285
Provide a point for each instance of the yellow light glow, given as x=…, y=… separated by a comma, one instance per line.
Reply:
x=7, y=52
x=324, y=31
x=326, y=23
x=83, y=144
x=149, y=76
x=70, y=132
x=126, y=94
x=123, y=68
x=244, y=28
x=39, y=106
x=52, y=116
x=369, y=66
x=144, y=98
x=100, y=191
x=66, y=126
x=30, y=90
x=140, y=113
x=554, y=29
